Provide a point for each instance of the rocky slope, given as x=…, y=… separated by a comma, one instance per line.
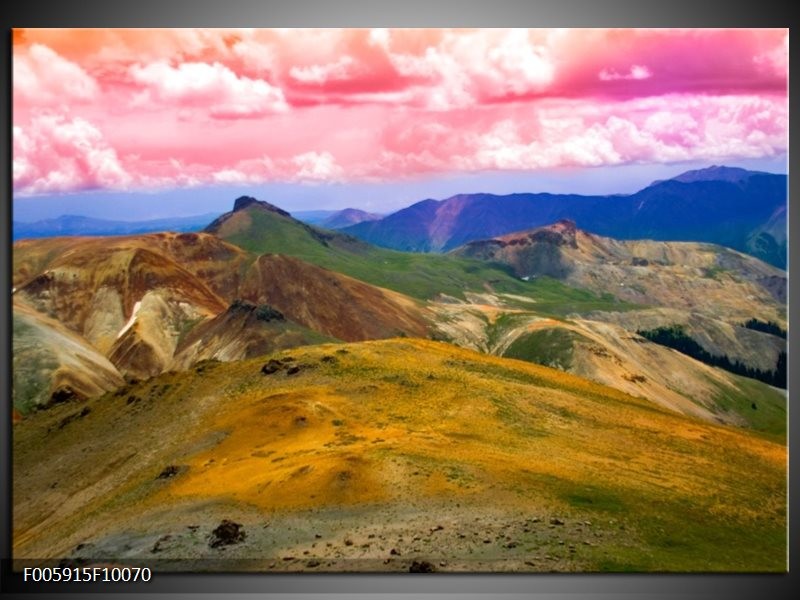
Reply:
x=703, y=278
x=51, y=364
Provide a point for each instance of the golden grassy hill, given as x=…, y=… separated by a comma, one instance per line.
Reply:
x=344, y=453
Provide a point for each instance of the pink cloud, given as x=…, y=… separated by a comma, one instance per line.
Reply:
x=153, y=108
x=635, y=73
x=214, y=85
x=317, y=166
x=318, y=74
x=55, y=153
x=42, y=76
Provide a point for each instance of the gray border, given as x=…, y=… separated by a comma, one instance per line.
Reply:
x=408, y=13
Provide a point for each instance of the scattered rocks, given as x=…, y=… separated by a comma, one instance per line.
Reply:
x=264, y=312
x=422, y=566
x=64, y=394
x=74, y=416
x=159, y=545
x=170, y=471
x=273, y=366
x=227, y=533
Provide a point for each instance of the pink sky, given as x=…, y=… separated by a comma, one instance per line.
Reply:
x=140, y=109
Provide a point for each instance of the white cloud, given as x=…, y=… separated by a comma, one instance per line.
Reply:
x=55, y=153
x=466, y=68
x=341, y=69
x=317, y=166
x=41, y=76
x=213, y=85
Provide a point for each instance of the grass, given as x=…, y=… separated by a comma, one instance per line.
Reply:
x=410, y=421
x=550, y=347
x=421, y=276
x=763, y=408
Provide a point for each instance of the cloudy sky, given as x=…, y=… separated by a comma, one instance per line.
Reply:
x=347, y=114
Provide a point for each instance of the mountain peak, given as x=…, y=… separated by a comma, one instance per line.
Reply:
x=713, y=173
x=243, y=202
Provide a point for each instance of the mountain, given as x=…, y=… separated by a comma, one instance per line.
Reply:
x=313, y=217
x=242, y=331
x=348, y=216
x=261, y=228
x=707, y=290
x=720, y=205
x=74, y=225
x=51, y=364
x=331, y=303
x=711, y=279
x=374, y=455
x=717, y=173
x=138, y=299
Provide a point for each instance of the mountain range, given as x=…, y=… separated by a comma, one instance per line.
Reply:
x=743, y=210
x=79, y=225
x=494, y=406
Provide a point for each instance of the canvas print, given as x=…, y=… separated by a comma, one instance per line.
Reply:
x=400, y=300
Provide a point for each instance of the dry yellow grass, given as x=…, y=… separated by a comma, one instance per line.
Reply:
x=375, y=425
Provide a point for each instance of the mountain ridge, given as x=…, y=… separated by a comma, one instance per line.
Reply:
x=734, y=214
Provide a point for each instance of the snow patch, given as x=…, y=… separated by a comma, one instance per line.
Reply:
x=130, y=322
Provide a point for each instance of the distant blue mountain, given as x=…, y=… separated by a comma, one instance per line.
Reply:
x=744, y=210
x=75, y=225
x=313, y=217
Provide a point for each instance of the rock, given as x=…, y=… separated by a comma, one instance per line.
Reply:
x=293, y=370
x=437, y=528
x=226, y=533
x=169, y=471
x=273, y=366
x=64, y=394
x=348, y=542
x=422, y=566
x=157, y=547
x=556, y=521
x=70, y=418
x=394, y=552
